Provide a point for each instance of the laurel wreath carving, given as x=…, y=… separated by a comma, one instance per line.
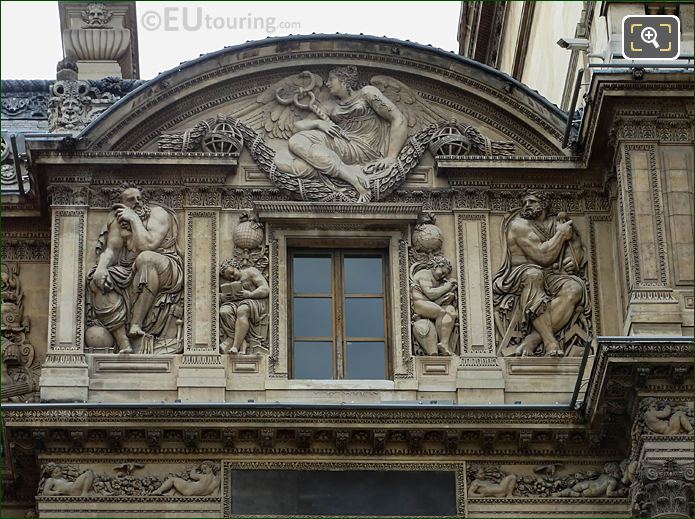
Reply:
x=234, y=134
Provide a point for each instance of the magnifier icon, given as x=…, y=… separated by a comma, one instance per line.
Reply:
x=648, y=35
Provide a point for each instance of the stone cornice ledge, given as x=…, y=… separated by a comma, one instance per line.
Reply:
x=228, y=415
x=511, y=161
x=640, y=351
x=379, y=212
x=133, y=157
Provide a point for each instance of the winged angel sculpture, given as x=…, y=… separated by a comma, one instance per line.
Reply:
x=341, y=140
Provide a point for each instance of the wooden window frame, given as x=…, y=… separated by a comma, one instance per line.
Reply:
x=339, y=299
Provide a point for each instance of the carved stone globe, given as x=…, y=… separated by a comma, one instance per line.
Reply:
x=427, y=238
x=449, y=141
x=223, y=137
x=248, y=235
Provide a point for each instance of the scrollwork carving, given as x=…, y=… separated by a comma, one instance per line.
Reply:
x=20, y=367
x=73, y=104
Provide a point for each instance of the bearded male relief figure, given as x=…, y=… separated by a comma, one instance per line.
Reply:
x=136, y=286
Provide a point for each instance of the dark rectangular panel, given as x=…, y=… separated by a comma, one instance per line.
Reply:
x=350, y=492
x=312, y=275
x=365, y=360
x=313, y=360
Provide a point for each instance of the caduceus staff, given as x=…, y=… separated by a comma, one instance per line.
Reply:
x=312, y=104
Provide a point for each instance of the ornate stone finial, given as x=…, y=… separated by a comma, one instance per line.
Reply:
x=66, y=70
x=96, y=16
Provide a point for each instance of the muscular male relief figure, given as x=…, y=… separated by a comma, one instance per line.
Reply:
x=139, y=273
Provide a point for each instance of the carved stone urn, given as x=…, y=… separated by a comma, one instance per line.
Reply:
x=97, y=44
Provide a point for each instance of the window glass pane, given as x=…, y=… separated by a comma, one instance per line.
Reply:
x=365, y=360
x=312, y=275
x=312, y=317
x=313, y=360
x=364, y=317
x=363, y=275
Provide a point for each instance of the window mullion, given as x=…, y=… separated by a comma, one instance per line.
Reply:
x=340, y=314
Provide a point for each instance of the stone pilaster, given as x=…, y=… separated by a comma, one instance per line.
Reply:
x=64, y=376
x=479, y=376
x=201, y=373
x=652, y=307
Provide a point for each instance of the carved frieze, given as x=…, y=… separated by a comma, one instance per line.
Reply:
x=26, y=246
x=548, y=480
x=130, y=479
x=25, y=105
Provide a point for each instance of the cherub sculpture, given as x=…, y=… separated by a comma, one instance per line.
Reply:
x=661, y=418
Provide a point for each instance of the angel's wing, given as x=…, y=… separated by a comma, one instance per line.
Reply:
x=418, y=113
x=275, y=110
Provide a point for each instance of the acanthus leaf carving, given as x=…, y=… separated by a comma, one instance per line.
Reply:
x=663, y=489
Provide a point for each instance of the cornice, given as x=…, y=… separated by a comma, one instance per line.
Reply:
x=374, y=212
x=636, y=360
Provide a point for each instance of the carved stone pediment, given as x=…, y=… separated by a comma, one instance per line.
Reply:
x=425, y=85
